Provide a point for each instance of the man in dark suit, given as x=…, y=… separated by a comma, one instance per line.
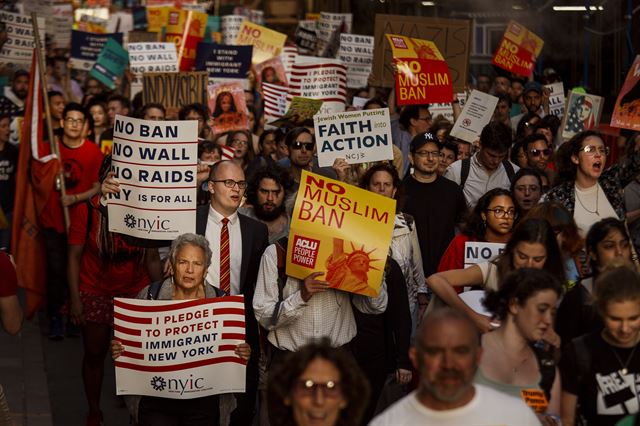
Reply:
x=238, y=243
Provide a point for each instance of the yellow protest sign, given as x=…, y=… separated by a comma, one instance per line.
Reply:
x=157, y=17
x=266, y=43
x=341, y=230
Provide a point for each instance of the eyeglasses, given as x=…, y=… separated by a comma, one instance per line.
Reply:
x=538, y=152
x=72, y=121
x=309, y=388
x=527, y=188
x=423, y=154
x=230, y=183
x=299, y=145
x=239, y=142
x=500, y=213
x=429, y=118
x=591, y=150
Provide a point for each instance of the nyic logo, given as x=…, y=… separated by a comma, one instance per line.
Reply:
x=181, y=386
x=144, y=224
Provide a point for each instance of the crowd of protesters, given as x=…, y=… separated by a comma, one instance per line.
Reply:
x=554, y=341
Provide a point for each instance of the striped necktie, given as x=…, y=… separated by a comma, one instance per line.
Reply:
x=225, y=264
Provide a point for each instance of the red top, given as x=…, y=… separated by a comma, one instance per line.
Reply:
x=453, y=257
x=125, y=273
x=9, y=281
x=81, y=167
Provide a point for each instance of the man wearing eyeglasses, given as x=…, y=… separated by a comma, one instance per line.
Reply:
x=237, y=242
x=81, y=161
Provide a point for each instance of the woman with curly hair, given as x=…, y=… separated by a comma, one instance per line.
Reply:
x=317, y=385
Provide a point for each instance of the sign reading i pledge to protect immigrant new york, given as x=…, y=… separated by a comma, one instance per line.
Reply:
x=356, y=136
x=179, y=349
x=155, y=163
x=341, y=230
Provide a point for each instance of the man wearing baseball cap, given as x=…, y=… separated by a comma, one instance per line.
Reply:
x=536, y=99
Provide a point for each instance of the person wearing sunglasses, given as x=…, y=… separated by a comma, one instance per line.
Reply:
x=539, y=153
x=583, y=185
x=301, y=145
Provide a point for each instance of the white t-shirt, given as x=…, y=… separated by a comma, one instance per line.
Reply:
x=489, y=275
x=594, y=200
x=487, y=408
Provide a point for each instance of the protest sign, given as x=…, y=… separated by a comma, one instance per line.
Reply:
x=358, y=103
x=110, y=65
x=423, y=76
x=328, y=31
x=142, y=37
x=224, y=62
x=626, y=112
x=60, y=25
x=270, y=71
x=186, y=29
x=150, y=58
x=120, y=22
x=583, y=113
x=230, y=27
x=228, y=107
x=266, y=43
x=139, y=18
x=320, y=78
x=174, y=90
x=299, y=112
x=341, y=230
x=179, y=349
x=451, y=36
x=478, y=252
x=356, y=136
x=356, y=52
x=85, y=48
x=443, y=109
x=155, y=163
x=157, y=17
x=556, y=99
x=306, y=40
x=275, y=102
x=288, y=58
x=17, y=49
x=518, y=50
x=476, y=114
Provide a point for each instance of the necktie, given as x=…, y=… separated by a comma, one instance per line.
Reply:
x=225, y=264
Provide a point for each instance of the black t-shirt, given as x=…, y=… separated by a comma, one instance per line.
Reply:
x=591, y=370
x=8, y=164
x=436, y=207
x=576, y=315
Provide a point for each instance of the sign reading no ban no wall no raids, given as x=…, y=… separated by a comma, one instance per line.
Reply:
x=155, y=163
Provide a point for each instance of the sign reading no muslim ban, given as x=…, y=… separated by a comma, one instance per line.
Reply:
x=20, y=42
x=356, y=136
x=476, y=114
x=518, y=50
x=478, y=252
x=179, y=349
x=341, y=230
x=155, y=163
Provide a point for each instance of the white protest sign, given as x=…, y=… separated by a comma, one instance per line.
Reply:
x=358, y=102
x=230, y=27
x=150, y=58
x=20, y=42
x=356, y=136
x=478, y=252
x=476, y=114
x=442, y=109
x=155, y=163
x=356, y=52
x=60, y=24
x=320, y=78
x=179, y=349
x=556, y=99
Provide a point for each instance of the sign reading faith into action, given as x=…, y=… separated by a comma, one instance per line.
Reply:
x=518, y=50
x=356, y=136
x=155, y=163
x=341, y=230
x=179, y=349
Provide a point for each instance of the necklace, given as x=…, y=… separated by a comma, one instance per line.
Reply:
x=584, y=207
x=514, y=361
x=623, y=371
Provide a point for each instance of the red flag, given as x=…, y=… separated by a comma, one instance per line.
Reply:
x=36, y=174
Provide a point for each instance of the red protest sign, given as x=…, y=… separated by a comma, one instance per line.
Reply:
x=518, y=50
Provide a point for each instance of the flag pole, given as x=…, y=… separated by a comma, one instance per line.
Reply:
x=55, y=149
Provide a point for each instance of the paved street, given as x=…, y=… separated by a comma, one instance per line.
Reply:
x=43, y=384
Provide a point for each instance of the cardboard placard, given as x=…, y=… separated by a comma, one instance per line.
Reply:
x=143, y=37
x=626, y=112
x=266, y=43
x=356, y=136
x=174, y=90
x=228, y=107
x=356, y=52
x=476, y=114
x=17, y=50
x=155, y=163
x=85, y=48
x=179, y=349
x=110, y=65
x=341, y=230
x=451, y=36
x=583, y=113
x=518, y=50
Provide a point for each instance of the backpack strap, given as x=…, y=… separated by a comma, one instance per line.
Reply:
x=154, y=290
x=281, y=250
x=464, y=171
x=508, y=167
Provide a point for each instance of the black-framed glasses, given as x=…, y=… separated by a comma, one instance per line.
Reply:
x=592, y=149
x=230, y=183
x=72, y=121
x=309, y=388
x=538, y=152
x=306, y=145
x=423, y=154
x=500, y=213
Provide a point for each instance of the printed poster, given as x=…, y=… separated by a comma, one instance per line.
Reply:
x=556, y=99
x=224, y=62
x=179, y=349
x=266, y=43
x=157, y=17
x=476, y=114
x=477, y=252
x=61, y=24
x=275, y=102
x=306, y=40
x=356, y=52
x=151, y=58
x=155, y=163
x=518, y=50
x=186, y=30
x=626, y=113
x=230, y=27
x=340, y=230
x=328, y=30
x=110, y=65
x=299, y=112
x=422, y=75
x=17, y=49
x=320, y=78
x=583, y=113
x=356, y=136
x=228, y=107
x=271, y=71
x=85, y=48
